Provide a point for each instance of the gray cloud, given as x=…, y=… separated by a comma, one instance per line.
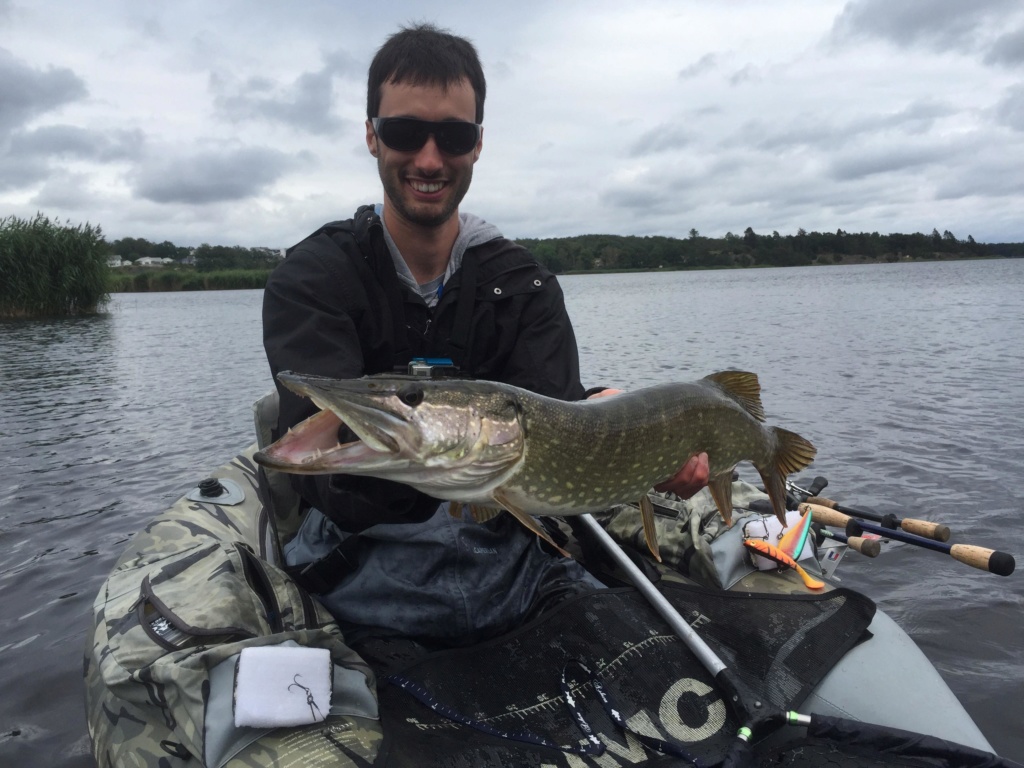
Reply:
x=705, y=63
x=1010, y=110
x=78, y=143
x=813, y=130
x=1008, y=49
x=661, y=138
x=27, y=92
x=20, y=171
x=65, y=191
x=990, y=178
x=937, y=24
x=634, y=198
x=888, y=159
x=748, y=73
x=210, y=176
x=306, y=103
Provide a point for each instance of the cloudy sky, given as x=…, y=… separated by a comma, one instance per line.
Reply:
x=242, y=122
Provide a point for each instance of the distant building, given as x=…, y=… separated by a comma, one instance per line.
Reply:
x=117, y=261
x=149, y=261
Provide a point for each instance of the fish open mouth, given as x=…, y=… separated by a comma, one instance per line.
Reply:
x=312, y=447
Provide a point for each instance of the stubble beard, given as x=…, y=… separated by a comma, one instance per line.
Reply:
x=395, y=190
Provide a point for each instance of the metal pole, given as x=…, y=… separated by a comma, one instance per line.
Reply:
x=684, y=631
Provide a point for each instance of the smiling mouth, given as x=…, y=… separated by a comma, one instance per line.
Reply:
x=427, y=187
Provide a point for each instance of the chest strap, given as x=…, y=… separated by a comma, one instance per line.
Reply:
x=321, y=576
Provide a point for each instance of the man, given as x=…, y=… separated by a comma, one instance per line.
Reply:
x=414, y=277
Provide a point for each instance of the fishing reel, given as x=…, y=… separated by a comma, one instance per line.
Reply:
x=432, y=368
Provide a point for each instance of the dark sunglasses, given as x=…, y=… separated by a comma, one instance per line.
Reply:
x=407, y=134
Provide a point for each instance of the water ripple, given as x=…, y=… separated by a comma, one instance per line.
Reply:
x=906, y=377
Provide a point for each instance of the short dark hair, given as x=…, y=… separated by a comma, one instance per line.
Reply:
x=425, y=55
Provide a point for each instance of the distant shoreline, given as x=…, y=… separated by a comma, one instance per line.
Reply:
x=171, y=280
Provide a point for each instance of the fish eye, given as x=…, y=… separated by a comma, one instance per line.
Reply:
x=411, y=395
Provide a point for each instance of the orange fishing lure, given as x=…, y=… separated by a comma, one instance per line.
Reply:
x=772, y=552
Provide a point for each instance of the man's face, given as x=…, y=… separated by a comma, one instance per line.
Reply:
x=425, y=187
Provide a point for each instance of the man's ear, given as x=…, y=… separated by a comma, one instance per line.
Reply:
x=479, y=146
x=371, y=138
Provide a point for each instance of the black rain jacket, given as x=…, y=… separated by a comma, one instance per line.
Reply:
x=332, y=308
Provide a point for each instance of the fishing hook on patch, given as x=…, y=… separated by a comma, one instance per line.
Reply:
x=314, y=710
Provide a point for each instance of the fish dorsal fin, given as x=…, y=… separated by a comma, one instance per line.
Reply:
x=743, y=387
x=527, y=520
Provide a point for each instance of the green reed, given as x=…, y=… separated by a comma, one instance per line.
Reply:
x=187, y=280
x=51, y=268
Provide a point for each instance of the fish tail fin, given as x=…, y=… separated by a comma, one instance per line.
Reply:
x=792, y=453
x=743, y=387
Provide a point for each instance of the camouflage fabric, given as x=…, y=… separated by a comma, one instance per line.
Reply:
x=685, y=530
x=280, y=497
x=155, y=646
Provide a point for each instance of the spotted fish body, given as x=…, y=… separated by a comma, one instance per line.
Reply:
x=584, y=457
x=492, y=444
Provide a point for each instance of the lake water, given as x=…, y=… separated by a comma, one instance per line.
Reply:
x=908, y=377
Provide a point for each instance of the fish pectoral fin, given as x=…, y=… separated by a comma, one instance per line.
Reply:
x=650, y=530
x=721, y=491
x=455, y=509
x=527, y=520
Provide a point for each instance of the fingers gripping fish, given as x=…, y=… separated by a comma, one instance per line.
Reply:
x=492, y=445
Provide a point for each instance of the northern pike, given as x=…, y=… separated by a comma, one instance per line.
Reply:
x=491, y=445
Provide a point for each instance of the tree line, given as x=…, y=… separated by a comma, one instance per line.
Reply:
x=53, y=267
x=205, y=258
x=585, y=253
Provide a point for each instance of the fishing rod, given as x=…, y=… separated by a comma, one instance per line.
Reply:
x=867, y=547
x=930, y=530
x=993, y=561
x=757, y=719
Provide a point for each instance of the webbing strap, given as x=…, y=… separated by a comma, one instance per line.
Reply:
x=384, y=275
x=321, y=576
x=459, y=341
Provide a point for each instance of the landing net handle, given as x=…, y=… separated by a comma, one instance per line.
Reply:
x=758, y=720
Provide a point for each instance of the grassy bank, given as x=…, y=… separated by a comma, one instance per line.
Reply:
x=142, y=280
x=48, y=268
